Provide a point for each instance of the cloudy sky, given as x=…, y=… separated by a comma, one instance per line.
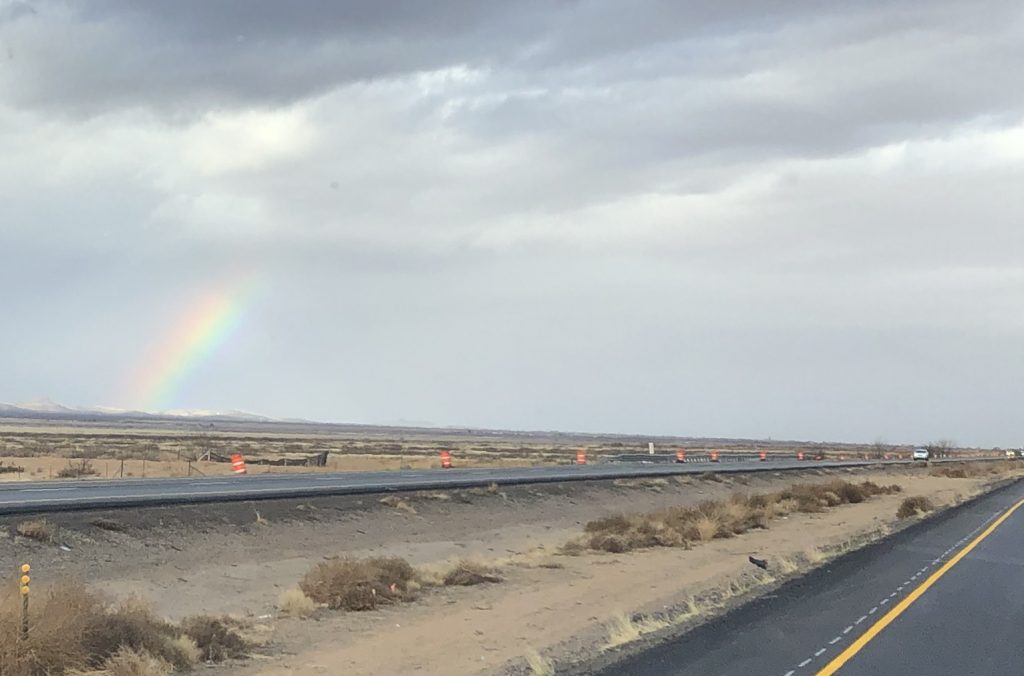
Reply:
x=788, y=219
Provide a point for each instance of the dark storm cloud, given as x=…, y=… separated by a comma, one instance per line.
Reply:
x=180, y=56
x=631, y=83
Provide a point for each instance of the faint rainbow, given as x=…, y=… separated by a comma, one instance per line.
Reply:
x=196, y=337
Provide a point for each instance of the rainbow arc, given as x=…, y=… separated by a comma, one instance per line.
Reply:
x=199, y=334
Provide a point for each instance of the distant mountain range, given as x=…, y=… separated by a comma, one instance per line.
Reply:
x=46, y=408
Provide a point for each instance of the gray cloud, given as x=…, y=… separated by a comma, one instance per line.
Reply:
x=799, y=221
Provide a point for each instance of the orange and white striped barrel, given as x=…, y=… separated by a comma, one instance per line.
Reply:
x=800, y=455
x=680, y=455
x=763, y=455
x=581, y=457
x=238, y=463
x=446, y=460
x=714, y=456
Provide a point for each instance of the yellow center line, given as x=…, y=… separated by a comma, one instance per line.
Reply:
x=873, y=631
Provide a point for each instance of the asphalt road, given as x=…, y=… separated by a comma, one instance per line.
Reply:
x=932, y=600
x=58, y=495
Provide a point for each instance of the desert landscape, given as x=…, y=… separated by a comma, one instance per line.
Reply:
x=524, y=579
x=32, y=449
x=461, y=338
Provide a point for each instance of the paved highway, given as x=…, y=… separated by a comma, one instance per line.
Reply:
x=57, y=495
x=944, y=597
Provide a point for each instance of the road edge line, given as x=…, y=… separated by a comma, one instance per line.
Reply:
x=837, y=663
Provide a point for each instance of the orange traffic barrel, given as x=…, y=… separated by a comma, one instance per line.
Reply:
x=238, y=463
x=581, y=457
x=714, y=456
x=446, y=460
x=763, y=455
x=680, y=455
x=800, y=455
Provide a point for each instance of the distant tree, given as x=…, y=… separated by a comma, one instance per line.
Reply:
x=941, y=447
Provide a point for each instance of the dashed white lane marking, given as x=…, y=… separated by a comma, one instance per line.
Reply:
x=884, y=601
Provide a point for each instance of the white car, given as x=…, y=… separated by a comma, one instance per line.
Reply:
x=921, y=454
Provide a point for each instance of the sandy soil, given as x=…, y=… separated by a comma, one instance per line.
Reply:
x=237, y=558
x=563, y=611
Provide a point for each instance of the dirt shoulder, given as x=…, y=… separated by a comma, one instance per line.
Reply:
x=238, y=558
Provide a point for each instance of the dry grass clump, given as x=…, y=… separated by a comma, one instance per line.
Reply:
x=128, y=662
x=656, y=483
x=109, y=524
x=815, y=555
x=682, y=526
x=398, y=503
x=969, y=470
x=623, y=629
x=467, y=573
x=538, y=664
x=537, y=557
x=77, y=470
x=295, y=603
x=185, y=646
x=817, y=497
x=360, y=584
x=689, y=609
x=215, y=637
x=133, y=624
x=365, y=584
x=38, y=529
x=72, y=630
x=914, y=505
